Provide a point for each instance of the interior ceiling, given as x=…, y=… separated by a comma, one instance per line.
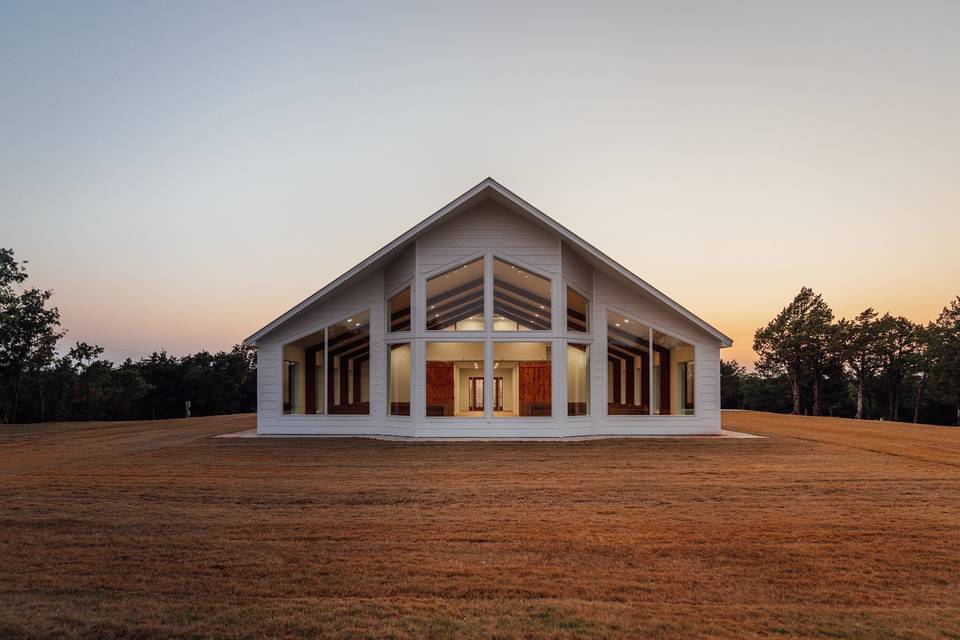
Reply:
x=520, y=277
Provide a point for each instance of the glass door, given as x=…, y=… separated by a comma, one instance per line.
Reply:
x=476, y=394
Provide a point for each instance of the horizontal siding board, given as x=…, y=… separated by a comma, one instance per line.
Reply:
x=576, y=271
x=400, y=270
x=487, y=227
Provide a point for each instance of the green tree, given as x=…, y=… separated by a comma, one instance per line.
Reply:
x=897, y=344
x=29, y=332
x=796, y=343
x=731, y=384
x=126, y=388
x=944, y=357
x=921, y=369
x=766, y=393
x=857, y=340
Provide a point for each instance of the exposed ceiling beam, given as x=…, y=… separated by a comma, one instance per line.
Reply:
x=449, y=293
x=456, y=316
x=449, y=306
x=502, y=284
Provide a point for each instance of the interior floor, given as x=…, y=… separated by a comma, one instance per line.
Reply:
x=479, y=414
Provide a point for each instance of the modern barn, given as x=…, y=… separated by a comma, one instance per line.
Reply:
x=488, y=319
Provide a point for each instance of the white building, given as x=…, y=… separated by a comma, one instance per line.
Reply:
x=488, y=319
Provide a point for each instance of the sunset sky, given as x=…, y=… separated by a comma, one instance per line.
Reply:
x=182, y=173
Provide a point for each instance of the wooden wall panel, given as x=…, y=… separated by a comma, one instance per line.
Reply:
x=534, y=388
x=440, y=381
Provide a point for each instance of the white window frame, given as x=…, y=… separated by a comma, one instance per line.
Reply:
x=575, y=334
x=409, y=284
x=323, y=383
x=651, y=327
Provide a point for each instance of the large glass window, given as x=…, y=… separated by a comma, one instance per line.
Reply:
x=521, y=300
x=522, y=379
x=673, y=375
x=454, y=385
x=398, y=379
x=303, y=375
x=400, y=311
x=578, y=380
x=455, y=299
x=348, y=366
x=577, y=312
x=628, y=367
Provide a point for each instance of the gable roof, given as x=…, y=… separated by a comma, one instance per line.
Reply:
x=487, y=188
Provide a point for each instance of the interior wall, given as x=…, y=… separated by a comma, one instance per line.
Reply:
x=455, y=351
x=520, y=350
x=510, y=388
x=577, y=371
x=400, y=374
x=464, y=373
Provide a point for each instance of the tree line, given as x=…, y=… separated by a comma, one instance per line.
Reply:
x=38, y=384
x=869, y=367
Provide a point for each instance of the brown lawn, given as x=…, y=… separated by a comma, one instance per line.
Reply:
x=828, y=528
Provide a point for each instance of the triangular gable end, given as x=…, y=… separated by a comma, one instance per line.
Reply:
x=488, y=188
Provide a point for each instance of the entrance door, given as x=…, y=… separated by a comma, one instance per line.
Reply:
x=476, y=394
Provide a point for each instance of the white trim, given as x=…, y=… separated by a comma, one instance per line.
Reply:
x=536, y=271
x=453, y=266
x=493, y=185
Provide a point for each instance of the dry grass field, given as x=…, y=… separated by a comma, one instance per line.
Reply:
x=827, y=528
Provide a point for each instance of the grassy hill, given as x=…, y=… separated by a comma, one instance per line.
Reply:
x=825, y=528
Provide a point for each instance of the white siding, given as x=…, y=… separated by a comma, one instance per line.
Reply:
x=576, y=271
x=488, y=229
x=400, y=270
x=363, y=294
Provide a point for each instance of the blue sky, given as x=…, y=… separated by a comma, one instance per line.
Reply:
x=181, y=173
